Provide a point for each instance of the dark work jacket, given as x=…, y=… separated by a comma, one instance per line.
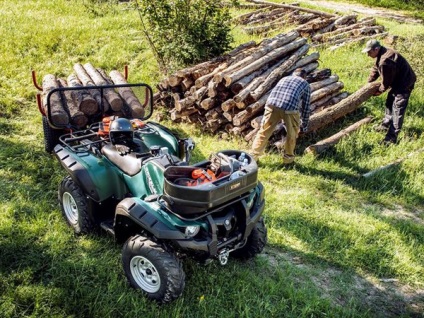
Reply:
x=395, y=72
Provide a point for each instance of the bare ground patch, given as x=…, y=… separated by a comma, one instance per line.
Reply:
x=378, y=297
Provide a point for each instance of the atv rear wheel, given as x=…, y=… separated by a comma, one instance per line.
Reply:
x=255, y=242
x=51, y=136
x=75, y=206
x=147, y=266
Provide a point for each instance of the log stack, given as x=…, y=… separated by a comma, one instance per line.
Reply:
x=227, y=96
x=320, y=27
x=77, y=108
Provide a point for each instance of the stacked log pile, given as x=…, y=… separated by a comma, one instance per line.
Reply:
x=227, y=95
x=78, y=107
x=320, y=27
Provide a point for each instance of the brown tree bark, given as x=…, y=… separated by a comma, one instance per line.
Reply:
x=77, y=117
x=344, y=107
x=111, y=96
x=279, y=72
x=135, y=107
x=57, y=111
x=84, y=100
x=87, y=81
x=322, y=145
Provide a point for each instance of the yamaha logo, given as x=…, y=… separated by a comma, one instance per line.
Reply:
x=235, y=185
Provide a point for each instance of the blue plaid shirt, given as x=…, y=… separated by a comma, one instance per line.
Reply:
x=292, y=93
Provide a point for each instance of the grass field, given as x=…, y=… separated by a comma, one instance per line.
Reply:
x=339, y=245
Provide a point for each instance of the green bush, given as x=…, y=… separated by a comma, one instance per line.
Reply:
x=184, y=32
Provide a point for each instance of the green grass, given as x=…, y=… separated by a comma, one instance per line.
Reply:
x=332, y=234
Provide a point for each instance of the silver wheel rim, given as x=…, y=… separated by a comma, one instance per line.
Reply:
x=145, y=274
x=70, y=208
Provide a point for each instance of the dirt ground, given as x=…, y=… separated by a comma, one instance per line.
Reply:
x=345, y=8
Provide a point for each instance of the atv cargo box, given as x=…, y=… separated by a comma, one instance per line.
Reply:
x=183, y=199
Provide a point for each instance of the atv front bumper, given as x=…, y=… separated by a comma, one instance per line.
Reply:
x=135, y=216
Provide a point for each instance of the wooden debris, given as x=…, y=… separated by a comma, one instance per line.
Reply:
x=322, y=145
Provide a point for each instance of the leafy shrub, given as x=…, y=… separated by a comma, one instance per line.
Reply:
x=182, y=32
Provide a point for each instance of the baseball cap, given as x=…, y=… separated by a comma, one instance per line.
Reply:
x=371, y=44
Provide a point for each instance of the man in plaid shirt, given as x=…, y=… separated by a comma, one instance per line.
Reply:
x=289, y=101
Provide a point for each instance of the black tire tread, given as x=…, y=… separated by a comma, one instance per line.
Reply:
x=85, y=224
x=169, y=266
x=255, y=242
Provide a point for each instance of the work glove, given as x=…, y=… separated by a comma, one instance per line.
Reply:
x=123, y=150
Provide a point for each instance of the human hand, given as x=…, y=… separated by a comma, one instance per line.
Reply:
x=377, y=93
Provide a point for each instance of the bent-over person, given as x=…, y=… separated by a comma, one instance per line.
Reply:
x=289, y=101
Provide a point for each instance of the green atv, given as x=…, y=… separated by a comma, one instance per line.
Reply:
x=133, y=178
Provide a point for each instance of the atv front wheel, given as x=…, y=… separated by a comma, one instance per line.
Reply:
x=149, y=267
x=75, y=206
x=255, y=242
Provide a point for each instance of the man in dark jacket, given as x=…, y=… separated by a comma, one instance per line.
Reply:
x=397, y=75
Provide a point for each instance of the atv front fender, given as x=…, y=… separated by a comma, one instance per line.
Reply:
x=134, y=215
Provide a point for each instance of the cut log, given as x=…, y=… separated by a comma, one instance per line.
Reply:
x=318, y=75
x=291, y=7
x=256, y=122
x=228, y=105
x=250, y=111
x=243, y=95
x=262, y=53
x=327, y=90
x=111, y=96
x=58, y=114
x=315, y=106
x=77, y=118
x=208, y=103
x=325, y=82
x=135, y=108
x=322, y=145
x=341, y=109
x=323, y=36
x=278, y=72
x=87, y=81
x=84, y=100
x=251, y=134
x=231, y=78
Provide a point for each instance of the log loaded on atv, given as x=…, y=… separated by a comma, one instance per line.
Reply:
x=133, y=179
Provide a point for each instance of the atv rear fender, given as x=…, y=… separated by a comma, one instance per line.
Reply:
x=96, y=178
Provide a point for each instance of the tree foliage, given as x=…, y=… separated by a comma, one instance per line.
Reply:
x=182, y=32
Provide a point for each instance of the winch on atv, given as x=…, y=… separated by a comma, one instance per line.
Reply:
x=133, y=178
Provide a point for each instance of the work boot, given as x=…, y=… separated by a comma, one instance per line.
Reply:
x=287, y=159
x=383, y=127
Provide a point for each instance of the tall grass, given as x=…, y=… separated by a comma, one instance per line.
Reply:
x=334, y=237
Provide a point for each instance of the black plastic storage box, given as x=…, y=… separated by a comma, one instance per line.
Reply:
x=241, y=178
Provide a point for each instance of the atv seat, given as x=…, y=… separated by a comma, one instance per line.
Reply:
x=129, y=163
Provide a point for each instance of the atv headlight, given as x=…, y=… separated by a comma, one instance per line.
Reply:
x=191, y=230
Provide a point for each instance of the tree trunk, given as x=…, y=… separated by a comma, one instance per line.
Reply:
x=58, y=115
x=322, y=145
x=78, y=118
x=341, y=109
x=87, y=81
x=327, y=90
x=279, y=72
x=256, y=63
x=293, y=8
x=84, y=100
x=111, y=96
x=135, y=107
